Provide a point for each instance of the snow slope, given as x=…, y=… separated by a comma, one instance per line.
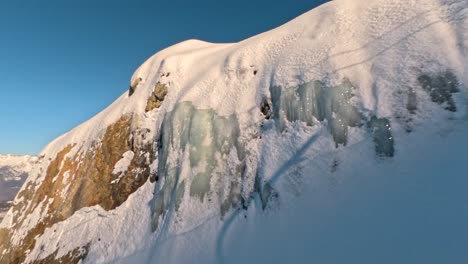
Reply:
x=338, y=137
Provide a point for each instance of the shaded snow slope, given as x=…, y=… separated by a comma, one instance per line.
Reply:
x=335, y=138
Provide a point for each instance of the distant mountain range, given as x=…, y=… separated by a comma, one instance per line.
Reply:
x=13, y=172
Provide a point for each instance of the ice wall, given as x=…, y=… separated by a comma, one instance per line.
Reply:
x=200, y=156
x=198, y=151
x=440, y=87
x=315, y=102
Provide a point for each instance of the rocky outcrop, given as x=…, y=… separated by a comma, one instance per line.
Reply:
x=157, y=97
x=79, y=178
x=133, y=86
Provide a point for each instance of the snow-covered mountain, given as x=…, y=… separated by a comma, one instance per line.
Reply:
x=339, y=137
x=13, y=172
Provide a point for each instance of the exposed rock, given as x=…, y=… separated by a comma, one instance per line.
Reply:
x=133, y=86
x=157, y=97
x=89, y=183
x=266, y=109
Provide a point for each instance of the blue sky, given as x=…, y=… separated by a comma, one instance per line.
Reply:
x=62, y=62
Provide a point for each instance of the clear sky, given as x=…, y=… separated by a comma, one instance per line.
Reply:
x=63, y=61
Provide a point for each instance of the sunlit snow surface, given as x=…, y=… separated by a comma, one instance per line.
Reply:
x=363, y=159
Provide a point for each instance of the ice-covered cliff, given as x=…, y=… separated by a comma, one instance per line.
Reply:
x=338, y=137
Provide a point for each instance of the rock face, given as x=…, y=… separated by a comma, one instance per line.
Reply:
x=157, y=97
x=81, y=179
x=176, y=169
x=133, y=86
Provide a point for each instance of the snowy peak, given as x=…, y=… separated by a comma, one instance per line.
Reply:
x=212, y=138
